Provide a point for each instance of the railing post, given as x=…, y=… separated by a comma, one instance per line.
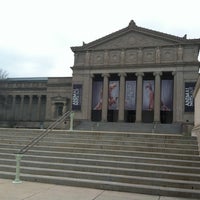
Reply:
x=71, y=121
x=17, y=176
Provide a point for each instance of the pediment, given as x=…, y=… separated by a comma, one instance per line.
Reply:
x=133, y=40
x=132, y=37
x=58, y=99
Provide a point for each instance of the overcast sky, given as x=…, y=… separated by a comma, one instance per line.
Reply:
x=36, y=35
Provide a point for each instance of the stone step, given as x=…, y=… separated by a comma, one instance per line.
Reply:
x=113, y=177
x=110, y=177
x=48, y=152
x=35, y=132
x=143, y=162
x=91, y=139
x=86, y=146
x=100, y=158
x=129, y=127
x=108, y=185
x=126, y=172
x=88, y=165
x=106, y=163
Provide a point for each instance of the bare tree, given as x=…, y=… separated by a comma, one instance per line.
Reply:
x=3, y=74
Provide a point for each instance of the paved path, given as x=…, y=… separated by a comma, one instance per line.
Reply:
x=40, y=191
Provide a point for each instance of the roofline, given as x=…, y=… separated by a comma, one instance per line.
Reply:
x=133, y=27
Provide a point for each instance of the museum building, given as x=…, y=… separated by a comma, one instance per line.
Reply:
x=134, y=75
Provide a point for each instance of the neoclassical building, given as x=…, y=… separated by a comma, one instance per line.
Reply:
x=136, y=75
x=133, y=75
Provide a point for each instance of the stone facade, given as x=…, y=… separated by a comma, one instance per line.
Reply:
x=33, y=102
x=196, y=128
x=137, y=54
x=134, y=75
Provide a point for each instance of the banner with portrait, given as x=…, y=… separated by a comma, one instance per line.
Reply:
x=97, y=95
x=148, y=95
x=76, y=97
x=113, y=95
x=166, y=103
x=189, y=100
x=130, y=95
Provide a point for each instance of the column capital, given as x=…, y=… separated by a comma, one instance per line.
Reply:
x=174, y=73
x=123, y=74
x=91, y=75
x=157, y=73
x=105, y=75
x=139, y=74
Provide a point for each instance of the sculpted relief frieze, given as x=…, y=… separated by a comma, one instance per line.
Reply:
x=97, y=58
x=149, y=56
x=114, y=57
x=168, y=55
x=131, y=56
x=80, y=59
x=136, y=56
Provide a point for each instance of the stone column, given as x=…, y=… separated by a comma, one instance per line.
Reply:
x=13, y=107
x=21, y=107
x=105, y=97
x=38, y=108
x=30, y=107
x=139, y=97
x=174, y=97
x=5, y=109
x=53, y=111
x=157, y=97
x=179, y=100
x=121, y=96
x=90, y=97
x=178, y=104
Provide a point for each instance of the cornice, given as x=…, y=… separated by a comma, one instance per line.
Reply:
x=135, y=66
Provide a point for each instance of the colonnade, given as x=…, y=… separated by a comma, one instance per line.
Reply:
x=139, y=77
x=22, y=107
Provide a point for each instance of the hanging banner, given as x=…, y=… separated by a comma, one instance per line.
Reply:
x=189, y=100
x=148, y=95
x=76, y=97
x=130, y=96
x=166, y=103
x=113, y=95
x=97, y=95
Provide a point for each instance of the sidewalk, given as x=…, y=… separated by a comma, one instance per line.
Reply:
x=40, y=191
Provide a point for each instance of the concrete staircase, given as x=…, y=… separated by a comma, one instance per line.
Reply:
x=130, y=127
x=160, y=164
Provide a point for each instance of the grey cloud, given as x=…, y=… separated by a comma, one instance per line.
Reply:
x=14, y=62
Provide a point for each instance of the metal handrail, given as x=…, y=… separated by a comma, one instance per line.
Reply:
x=44, y=133
x=37, y=139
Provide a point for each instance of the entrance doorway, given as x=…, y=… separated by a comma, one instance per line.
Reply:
x=129, y=115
